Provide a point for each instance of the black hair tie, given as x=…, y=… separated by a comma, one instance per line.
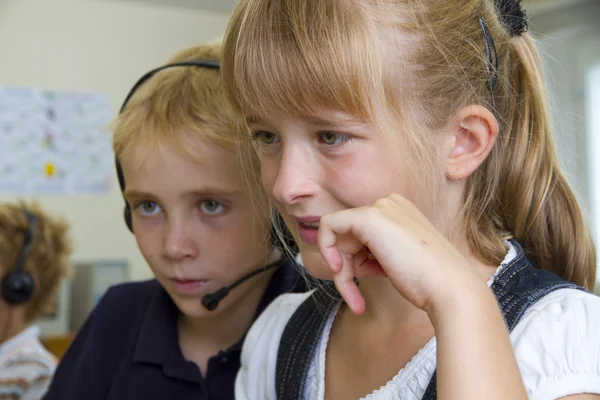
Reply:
x=513, y=16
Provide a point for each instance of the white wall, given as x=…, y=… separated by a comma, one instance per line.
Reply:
x=101, y=47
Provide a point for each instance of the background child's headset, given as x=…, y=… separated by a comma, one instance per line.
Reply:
x=209, y=64
x=18, y=285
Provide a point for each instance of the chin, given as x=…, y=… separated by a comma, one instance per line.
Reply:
x=193, y=308
x=315, y=264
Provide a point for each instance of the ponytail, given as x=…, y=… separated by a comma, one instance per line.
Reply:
x=530, y=199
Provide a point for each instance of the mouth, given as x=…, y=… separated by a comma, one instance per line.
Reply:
x=312, y=225
x=308, y=229
x=186, y=287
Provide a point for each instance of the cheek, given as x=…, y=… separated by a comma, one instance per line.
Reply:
x=368, y=177
x=149, y=245
x=355, y=186
x=268, y=173
x=289, y=222
x=244, y=237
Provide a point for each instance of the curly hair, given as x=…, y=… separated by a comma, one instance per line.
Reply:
x=48, y=257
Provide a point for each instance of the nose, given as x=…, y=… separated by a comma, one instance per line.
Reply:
x=296, y=176
x=179, y=243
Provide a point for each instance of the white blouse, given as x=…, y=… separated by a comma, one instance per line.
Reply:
x=556, y=343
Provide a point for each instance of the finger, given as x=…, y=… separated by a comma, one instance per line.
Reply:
x=360, y=258
x=365, y=265
x=344, y=282
x=332, y=257
x=331, y=228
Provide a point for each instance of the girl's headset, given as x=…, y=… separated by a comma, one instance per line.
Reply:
x=18, y=285
x=209, y=64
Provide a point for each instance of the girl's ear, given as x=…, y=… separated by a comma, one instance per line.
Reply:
x=470, y=138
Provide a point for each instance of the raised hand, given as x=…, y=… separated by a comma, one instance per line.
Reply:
x=394, y=237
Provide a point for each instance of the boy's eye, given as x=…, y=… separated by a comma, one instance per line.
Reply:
x=264, y=137
x=212, y=207
x=332, y=138
x=148, y=208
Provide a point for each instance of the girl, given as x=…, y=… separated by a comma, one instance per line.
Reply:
x=407, y=146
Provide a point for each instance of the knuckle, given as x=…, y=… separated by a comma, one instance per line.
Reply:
x=326, y=220
x=374, y=212
x=383, y=203
x=396, y=198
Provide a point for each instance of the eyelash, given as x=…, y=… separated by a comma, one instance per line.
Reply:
x=146, y=202
x=344, y=138
x=222, y=207
x=256, y=137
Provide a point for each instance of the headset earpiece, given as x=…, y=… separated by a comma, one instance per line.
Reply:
x=127, y=216
x=126, y=209
x=18, y=285
x=209, y=64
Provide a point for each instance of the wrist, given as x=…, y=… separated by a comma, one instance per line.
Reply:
x=466, y=296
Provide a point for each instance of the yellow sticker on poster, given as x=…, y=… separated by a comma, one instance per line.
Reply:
x=49, y=170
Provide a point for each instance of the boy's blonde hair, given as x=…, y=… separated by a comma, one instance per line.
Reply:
x=176, y=107
x=409, y=66
x=180, y=107
x=48, y=257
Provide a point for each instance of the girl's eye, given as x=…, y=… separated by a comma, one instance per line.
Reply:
x=332, y=138
x=212, y=207
x=148, y=208
x=264, y=137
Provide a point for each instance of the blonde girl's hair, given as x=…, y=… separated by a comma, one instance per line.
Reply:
x=409, y=66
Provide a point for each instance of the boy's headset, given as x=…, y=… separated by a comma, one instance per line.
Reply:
x=18, y=285
x=210, y=64
x=209, y=301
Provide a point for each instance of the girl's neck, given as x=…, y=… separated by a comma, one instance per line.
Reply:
x=387, y=308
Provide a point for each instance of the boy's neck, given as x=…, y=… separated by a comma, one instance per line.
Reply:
x=203, y=337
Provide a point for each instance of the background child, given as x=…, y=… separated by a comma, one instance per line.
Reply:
x=200, y=228
x=34, y=258
x=407, y=144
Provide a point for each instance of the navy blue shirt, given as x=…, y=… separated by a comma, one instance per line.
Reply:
x=129, y=349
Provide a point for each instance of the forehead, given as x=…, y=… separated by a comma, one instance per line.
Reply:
x=167, y=168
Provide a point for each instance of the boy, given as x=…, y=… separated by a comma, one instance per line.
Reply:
x=34, y=258
x=200, y=228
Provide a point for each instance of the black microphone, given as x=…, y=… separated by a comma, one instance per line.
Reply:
x=211, y=300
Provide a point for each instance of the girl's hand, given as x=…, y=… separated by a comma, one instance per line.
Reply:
x=420, y=262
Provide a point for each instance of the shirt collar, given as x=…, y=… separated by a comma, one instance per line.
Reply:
x=22, y=339
x=158, y=340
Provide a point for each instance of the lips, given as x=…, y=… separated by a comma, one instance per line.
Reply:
x=312, y=225
x=188, y=286
x=308, y=229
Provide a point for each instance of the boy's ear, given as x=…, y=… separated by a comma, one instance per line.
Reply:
x=471, y=136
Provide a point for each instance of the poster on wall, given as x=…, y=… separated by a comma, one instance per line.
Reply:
x=54, y=142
